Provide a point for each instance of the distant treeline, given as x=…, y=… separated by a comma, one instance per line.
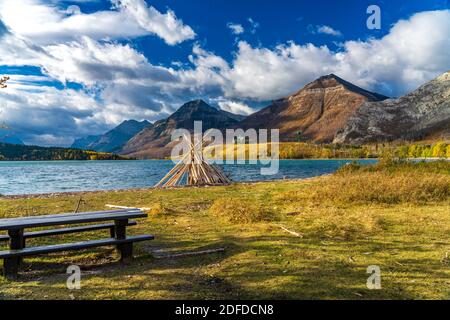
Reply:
x=303, y=150
x=12, y=152
x=294, y=150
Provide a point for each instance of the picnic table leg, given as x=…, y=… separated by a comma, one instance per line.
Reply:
x=125, y=249
x=16, y=242
x=112, y=232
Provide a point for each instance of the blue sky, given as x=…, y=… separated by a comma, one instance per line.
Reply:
x=81, y=67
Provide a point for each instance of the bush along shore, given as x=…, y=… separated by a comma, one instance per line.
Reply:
x=303, y=239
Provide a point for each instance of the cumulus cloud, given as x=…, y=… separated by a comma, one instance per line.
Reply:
x=235, y=28
x=328, y=30
x=47, y=24
x=90, y=62
x=167, y=26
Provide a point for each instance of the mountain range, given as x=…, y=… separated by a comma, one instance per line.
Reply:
x=155, y=141
x=326, y=110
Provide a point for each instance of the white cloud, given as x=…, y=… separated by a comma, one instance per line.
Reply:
x=45, y=23
x=90, y=62
x=236, y=107
x=35, y=110
x=167, y=26
x=235, y=28
x=328, y=30
x=264, y=74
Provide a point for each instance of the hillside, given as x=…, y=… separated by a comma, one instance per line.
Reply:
x=155, y=141
x=420, y=115
x=12, y=152
x=83, y=143
x=113, y=140
x=315, y=113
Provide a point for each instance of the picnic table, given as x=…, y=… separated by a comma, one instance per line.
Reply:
x=116, y=221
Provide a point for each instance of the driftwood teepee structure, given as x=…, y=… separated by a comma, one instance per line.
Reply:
x=193, y=170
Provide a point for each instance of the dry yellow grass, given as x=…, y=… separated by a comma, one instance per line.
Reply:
x=237, y=210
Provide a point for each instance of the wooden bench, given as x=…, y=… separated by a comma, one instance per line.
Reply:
x=17, y=237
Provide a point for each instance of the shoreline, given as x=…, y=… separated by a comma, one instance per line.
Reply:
x=90, y=192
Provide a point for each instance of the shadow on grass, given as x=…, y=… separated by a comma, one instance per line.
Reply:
x=270, y=266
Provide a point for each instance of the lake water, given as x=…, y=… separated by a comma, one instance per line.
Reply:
x=66, y=176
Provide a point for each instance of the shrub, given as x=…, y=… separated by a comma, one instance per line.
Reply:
x=240, y=210
x=389, y=182
x=159, y=209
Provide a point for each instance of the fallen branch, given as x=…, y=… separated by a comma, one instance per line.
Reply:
x=188, y=254
x=291, y=232
x=123, y=207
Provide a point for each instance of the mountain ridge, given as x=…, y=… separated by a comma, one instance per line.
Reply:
x=423, y=113
x=314, y=113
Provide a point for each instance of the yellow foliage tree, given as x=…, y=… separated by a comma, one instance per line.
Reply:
x=3, y=82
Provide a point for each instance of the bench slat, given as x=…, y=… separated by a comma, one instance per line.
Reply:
x=72, y=246
x=55, y=232
x=30, y=222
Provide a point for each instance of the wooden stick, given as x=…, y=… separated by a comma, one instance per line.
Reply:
x=291, y=232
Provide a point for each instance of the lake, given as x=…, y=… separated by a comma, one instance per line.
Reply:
x=33, y=177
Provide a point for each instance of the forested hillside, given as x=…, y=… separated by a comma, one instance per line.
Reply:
x=30, y=153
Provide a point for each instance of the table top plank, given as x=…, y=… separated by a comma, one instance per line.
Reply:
x=69, y=218
x=70, y=214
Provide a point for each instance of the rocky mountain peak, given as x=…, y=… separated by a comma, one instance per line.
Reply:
x=195, y=104
x=333, y=82
x=421, y=114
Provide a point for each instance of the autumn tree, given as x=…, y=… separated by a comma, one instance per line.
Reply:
x=3, y=82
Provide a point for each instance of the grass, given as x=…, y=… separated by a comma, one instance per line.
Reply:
x=393, y=215
x=238, y=210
